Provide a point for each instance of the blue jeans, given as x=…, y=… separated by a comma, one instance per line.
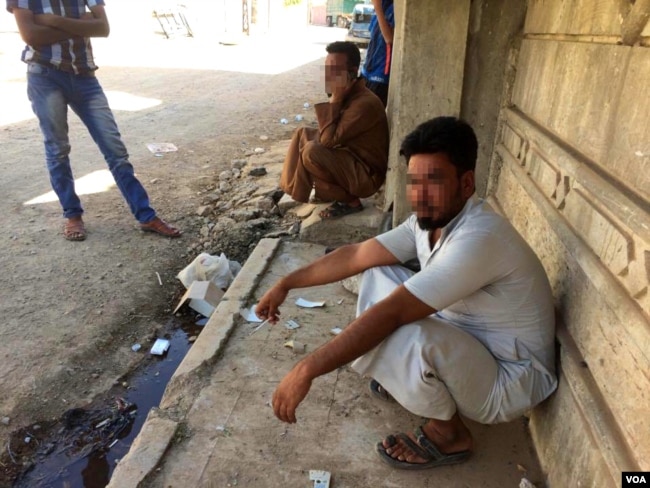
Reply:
x=51, y=92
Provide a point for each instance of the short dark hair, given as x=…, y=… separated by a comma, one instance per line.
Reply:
x=449, y=135
x=350, y=49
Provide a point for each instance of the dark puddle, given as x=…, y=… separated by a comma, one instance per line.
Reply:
x=81, y=449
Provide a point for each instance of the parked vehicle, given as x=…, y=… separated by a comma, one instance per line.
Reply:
x=359, y=32
x=339, y=13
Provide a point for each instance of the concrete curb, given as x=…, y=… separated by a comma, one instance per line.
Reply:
x=157, y=432
x=146, y=452
x=222, y=322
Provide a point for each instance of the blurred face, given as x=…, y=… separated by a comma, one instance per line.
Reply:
x=336, y=71
x=436, y=193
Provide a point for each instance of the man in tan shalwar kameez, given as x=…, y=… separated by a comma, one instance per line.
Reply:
x=346, y=158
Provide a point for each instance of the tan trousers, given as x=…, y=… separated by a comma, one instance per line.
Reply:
x=335, y=174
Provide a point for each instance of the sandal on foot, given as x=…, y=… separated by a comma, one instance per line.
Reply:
x=339, y=209
x=74, y=230
x=423, y=448
x=379, y=391
x=159, y=226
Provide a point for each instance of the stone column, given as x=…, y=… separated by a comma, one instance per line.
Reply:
x=426, y=77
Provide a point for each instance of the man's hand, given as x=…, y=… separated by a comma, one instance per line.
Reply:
x=268, y=306
x=290, y=392
x=341, y=90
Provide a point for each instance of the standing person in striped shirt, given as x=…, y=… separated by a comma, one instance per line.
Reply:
x=376, y=68
x=61, y=74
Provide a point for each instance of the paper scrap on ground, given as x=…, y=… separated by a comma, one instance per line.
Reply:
x=249, y=314
x=298, y=347
x=201, y=322
x=301, y=302
x=336, y=330
x=292, y=324
x=320, y=478
x=161, y=147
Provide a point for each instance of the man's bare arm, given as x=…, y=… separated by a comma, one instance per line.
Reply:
x=386, y=29
x=341, y=263
x=94, y=24
x=34, y=34
x=361, y=336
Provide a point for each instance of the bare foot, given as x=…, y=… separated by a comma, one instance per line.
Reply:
x=74, y=229
x=449, y=437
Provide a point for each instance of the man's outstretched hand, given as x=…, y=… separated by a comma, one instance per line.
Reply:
x=290, y=392
x=268, y=306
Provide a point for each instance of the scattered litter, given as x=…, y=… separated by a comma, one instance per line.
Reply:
x=5, y=420
x=284, y=121
x=192, y=339
x=201, y=322
x=113, y=443
x=339, y=302
x=292, y=324
x=298, y=347
x=306, y=105
x=264, y=138
x=320, y=478
x=136, y=347
x=521, y=468
x=222, y=428
x=159, y=280
x=639, y=153
x=102, y=423
x=259, y=327
x=259, y=150
x=286, y=431
x=249, y=315
x=301, y=302
x=524, y=483
x=205, y=267
x=28, y=440
x=336, y=331
x=203, y=297
x=161, y=147
x=160, y=347
x=298, y=118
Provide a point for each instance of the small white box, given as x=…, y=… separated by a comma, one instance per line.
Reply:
x=204, y=296
x=160, y=347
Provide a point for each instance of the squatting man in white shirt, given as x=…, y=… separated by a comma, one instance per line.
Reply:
x=470, y=335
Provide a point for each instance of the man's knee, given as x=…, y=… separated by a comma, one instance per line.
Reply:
x=314, y=155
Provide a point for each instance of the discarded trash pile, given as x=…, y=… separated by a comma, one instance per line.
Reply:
x=78, y=434
x=87, y=431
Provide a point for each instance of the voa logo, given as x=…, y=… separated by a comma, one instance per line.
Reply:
x=636, y=479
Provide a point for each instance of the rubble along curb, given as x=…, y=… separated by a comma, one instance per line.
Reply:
x=157, y=432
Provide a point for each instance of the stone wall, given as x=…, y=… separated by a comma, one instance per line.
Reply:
x=573, y=163
x=557, y=91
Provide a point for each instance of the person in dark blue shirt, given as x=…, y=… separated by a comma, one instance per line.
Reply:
x=376, y=69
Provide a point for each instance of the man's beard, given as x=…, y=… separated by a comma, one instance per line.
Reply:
x=428, y=223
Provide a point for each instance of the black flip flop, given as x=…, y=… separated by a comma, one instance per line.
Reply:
x=339, y=209
x=379, y=391
x=424, y=448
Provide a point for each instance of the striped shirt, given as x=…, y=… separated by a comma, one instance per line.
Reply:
x=73, y=55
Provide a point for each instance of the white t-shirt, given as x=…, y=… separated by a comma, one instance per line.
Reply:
x=484, y=278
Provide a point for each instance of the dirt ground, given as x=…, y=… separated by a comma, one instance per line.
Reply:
x=71, y=310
